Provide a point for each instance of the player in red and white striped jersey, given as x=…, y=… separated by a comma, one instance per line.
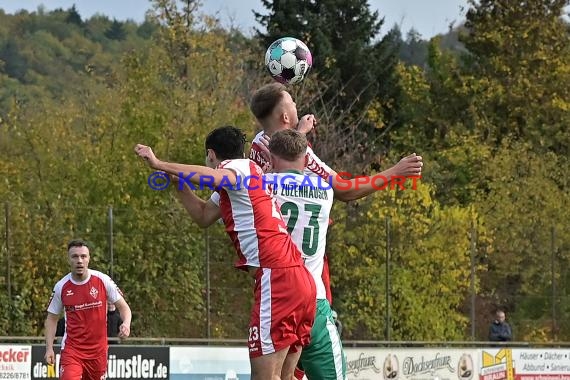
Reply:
x=314, y=165
x=284, y=292
x=83, y=295
x=275, y=110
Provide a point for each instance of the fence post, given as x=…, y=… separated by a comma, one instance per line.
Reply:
x=552, y=273
x=111, y=253
x=208, y=322
x=8, y=255
x=472, y=285
x=387, y=329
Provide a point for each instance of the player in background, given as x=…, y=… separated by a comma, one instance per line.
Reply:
x=284, y=291
x=306, y=204
x=83, y=295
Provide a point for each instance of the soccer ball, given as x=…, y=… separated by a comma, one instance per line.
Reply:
x=288, y=60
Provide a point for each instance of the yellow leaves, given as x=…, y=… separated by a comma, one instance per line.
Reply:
x=561, y=104
x=412, y=80
x=375, y=114
x=329, y=62
x=429, y=249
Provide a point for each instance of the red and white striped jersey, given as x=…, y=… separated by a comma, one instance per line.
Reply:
x=85, y=306
x=313, y=165
x=253, y=221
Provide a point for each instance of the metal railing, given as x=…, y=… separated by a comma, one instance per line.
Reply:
x=347, y=343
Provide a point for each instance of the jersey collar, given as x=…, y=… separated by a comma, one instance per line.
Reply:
x=293, y=171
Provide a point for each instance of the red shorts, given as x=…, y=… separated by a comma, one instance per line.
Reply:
x=283, y=311
x=298, y=374
x=73, y=367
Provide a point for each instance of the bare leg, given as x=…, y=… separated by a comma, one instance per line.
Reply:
x=288, y=371
x=268, y=367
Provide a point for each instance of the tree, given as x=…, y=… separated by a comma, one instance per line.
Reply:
x=73, y=16
x=414, y=50
x=429, y=248
x=520, y=50
x=69, y=158
x=522, y=206
x=355, y=72
x=115, y=31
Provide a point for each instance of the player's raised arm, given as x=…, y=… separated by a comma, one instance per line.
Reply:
x=349, y=190
x=204, y=213
x=196, y=174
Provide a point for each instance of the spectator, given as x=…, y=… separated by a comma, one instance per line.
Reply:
x=500, y=330
x=60, y=330
x=113, y=322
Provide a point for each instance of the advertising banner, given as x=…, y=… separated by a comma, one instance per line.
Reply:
x=209, y=363
x=125, y=362
x=232, y=363
x=410, y=364
x=525, y=364
x=542, y=364
x=15, y=361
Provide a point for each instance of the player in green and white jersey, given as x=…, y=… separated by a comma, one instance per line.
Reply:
x=305, y=203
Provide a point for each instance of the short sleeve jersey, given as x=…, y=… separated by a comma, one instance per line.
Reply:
x=85, y=306
x=313, y=166
x=253, y=221
x=305, y=203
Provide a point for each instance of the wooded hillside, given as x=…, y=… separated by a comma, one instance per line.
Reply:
x=487, y=106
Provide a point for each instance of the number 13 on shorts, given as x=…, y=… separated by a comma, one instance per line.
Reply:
x=253, y=339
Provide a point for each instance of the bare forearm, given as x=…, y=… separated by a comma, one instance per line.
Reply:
x=196, y=174
x=125, y=313
x=50, y=327
x=347, y=190
x=184, y=170
x=195, y=207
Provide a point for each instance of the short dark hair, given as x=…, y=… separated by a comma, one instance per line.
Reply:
x=288, y=144
x=228, y=142
x=77, y=243
x=265, y=99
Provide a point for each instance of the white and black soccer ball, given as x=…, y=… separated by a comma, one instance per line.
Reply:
x=288, y=60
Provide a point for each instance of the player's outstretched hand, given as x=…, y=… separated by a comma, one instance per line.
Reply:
x=49, y=356
x=306, y=124
x=409, y=166
x=124, y=331
x=147, y=154
x=264, y=146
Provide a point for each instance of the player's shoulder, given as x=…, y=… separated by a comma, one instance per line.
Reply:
x=234, y=162
x=100, y=275
x=243, y=166
x=311, y=152
x=63, y=281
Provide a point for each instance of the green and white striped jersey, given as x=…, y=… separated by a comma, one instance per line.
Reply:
x=305, y=203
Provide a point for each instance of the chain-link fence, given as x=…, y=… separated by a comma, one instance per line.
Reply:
x=180, y=281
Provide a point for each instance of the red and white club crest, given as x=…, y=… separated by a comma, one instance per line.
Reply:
x=94, y=292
